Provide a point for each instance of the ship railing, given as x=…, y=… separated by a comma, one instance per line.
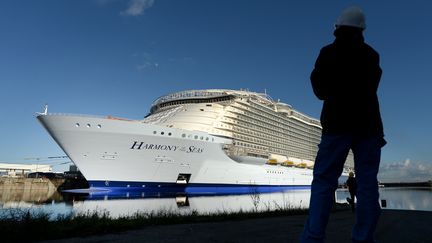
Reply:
x=305, y=119
x=187, y=94
x=84, y=115
x=191, y=94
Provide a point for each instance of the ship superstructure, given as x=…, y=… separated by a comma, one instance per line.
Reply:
x=258, y=126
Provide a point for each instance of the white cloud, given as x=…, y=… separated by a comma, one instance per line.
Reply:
x=146, y=61
x=406, y=171
x=137, y=7
x=147, y=65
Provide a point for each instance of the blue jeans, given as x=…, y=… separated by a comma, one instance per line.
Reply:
x=329, y=163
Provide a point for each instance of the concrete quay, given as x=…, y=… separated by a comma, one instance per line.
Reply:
x=394, y=226
x=27, y=189
x=35, y=190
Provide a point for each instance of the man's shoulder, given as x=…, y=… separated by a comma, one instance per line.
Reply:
x=332, y=46
x=329, y=47
x=327, y=50
x=370, y=50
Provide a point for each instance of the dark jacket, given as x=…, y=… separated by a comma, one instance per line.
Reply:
x=346, y=78
x=352, y=185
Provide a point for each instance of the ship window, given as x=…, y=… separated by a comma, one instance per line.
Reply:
x=77, y=124
x=169, y=134
x=207, y=138
x=201, y=109
x=162, y=133
x=183, y=135
x=88, y=125
x=99, y=126
x=154, y=132
x=196, y=137
x=201, y=137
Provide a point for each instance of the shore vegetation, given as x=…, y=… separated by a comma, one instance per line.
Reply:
x=25, y=225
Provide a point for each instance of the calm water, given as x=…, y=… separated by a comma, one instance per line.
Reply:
x=125, y=204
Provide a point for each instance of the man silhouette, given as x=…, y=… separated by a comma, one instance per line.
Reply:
x=346, y=78
x=352, y=188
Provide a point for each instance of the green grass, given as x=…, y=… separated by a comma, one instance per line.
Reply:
x=24, y=226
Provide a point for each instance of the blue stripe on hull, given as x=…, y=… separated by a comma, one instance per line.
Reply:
x=190, y=189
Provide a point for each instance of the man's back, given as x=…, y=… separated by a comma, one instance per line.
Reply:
x=346, y=76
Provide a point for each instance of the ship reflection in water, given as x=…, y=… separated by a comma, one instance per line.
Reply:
x=118, y=205
x=121, y=204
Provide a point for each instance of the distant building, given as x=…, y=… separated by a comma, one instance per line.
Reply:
x=73, y=173
x=73, y=168
x=14, y=170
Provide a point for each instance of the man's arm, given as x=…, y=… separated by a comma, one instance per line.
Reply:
x=373, y=71
x=320, y=75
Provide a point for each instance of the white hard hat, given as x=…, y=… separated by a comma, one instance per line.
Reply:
x=352, y=16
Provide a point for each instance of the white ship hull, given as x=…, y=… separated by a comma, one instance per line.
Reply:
x=122, y=154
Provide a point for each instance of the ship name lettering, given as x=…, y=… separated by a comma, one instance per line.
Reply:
x=149, y=146
x=163, y=147
x=193, y=149
x=141, y=145
x=172, y=147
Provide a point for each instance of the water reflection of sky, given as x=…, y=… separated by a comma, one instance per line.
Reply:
x=408, y=198
x=400, y=198
x=126, y=204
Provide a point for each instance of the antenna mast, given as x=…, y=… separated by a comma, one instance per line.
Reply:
x=45, y=112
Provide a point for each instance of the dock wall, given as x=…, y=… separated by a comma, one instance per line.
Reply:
x=28, y=189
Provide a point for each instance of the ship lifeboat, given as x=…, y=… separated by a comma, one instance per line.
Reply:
x=272, y=162
x=305, y=164
x=288, y=163
x=275, y=159
x=309, y=164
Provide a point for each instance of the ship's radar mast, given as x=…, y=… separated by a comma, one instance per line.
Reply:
x=45, y=112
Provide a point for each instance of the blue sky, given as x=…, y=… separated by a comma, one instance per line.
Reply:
x=114, y=57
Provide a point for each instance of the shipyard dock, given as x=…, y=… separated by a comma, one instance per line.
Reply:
x=35, y=190
x=394, y=226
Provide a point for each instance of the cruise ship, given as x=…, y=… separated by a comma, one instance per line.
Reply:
x=194, y=141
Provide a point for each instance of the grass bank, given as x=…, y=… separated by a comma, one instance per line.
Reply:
x=25, y=226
